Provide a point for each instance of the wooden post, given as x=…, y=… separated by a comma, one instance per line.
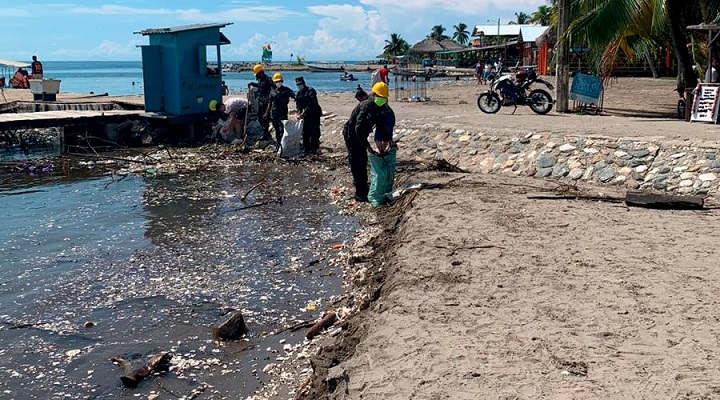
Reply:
x=562, y=71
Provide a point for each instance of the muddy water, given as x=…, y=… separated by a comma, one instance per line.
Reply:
x=101, y=268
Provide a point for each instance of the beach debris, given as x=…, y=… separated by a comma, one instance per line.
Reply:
x=244, y=197
x=325, y=322
x=134, y=373
x=232, y=329
x=664, y=201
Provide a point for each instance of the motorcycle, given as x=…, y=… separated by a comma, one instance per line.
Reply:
x=504, y=92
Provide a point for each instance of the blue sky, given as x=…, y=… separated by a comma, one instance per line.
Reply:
x=318, y=30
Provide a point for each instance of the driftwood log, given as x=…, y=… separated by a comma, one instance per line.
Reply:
x=664, y=201
x=134, y=374
x=321, y=325
x=232, y=329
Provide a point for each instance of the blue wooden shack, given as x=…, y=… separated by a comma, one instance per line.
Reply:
x=182, y=68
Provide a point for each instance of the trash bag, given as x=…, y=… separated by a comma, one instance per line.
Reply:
x=291, y=142
x=254, y=132
x=382, y=176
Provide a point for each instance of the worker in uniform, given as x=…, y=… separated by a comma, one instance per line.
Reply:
x=368, y=114
x=279, y=98
x=264, y=85
x=309, y=110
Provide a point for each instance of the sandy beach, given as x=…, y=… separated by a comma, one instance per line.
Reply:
x=475, y=291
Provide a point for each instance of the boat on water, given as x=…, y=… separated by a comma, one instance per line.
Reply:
x=326, y=67
x=348, y=77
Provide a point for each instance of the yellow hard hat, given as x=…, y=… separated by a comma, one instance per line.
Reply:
x=277, y=77
x=381, y=89
x=258, y=68
x=213, y=105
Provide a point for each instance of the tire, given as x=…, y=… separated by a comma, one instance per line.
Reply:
x=489, y=102
x=540, y=101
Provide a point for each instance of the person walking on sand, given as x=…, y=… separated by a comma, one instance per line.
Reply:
x=309, y=110
x=279, y=99
x=264, y=85
x=37, y=68
x=384, y=72
x=371, y=113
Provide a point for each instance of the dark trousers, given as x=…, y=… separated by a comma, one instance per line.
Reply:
x=279, y=130
x=311, y=135
x=358, y=160
x=264, y=120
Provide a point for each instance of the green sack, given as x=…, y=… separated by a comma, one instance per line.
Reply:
x=382, y=176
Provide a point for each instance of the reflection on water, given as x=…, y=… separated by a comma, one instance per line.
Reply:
x=154, y=262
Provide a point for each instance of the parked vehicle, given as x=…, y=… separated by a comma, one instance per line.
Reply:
x=514, y=90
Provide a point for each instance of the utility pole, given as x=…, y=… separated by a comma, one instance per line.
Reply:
x=562, y=71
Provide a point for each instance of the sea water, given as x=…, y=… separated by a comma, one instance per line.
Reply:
x=125, y=78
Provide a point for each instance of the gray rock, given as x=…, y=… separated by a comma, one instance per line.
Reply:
x=543, y=172
x=710, y=156
x=606, y=174
x=231, y=329
x=686, y=190
x=636, y=176
x=664, y=170
x=546, y=161
x=525, y=140
x=659, y=185
x=600, y=165
x=639, y=153
x=560, y=170
x=576, y=173
x=635, y=163
x=515, y=150
x=715, y=164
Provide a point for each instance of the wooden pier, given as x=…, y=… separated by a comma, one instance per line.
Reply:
x=47, y=119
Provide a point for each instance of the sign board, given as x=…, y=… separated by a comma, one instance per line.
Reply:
x=705, y=103
x=586, y=89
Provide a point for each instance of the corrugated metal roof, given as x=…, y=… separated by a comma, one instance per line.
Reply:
x=531, y=33
x=182, y=28
x=15, y=64
x=492, y=30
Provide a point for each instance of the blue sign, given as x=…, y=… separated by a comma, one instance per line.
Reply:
x=586, y=89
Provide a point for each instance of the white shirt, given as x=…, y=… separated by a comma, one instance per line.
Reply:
x=235, y=104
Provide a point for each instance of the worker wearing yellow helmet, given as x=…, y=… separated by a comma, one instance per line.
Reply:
x=373, y=113
x=263, y=86
x=279, y=99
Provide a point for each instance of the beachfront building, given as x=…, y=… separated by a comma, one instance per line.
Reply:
x=181, y=68
x=511, y=42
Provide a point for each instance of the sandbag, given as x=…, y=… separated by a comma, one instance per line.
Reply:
x=291, y=142
x=382, y=176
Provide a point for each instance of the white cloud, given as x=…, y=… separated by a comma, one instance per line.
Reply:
x=121, y=10
x=344, y=32
x=105, y=50
x=14, y=13
x=462, y=7
x=244, y=14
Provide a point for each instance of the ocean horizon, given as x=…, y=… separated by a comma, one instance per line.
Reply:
x=125, y=78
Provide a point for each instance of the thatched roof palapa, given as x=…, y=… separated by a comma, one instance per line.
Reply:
x=431, y=46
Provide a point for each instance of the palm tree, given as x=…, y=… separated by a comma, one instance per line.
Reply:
x=521, y=19
x=438, y=33
x=396, y=46
x=542, y=16
x=461, y=35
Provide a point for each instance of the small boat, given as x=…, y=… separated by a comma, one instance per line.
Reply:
x=325, y=67
x=348, y=77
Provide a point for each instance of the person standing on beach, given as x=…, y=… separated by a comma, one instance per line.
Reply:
x=309, y=110
x=264, y=86
x=37, y=68
x=279, y=100
x=384, y=72
x=371, y=113
x=224, y=87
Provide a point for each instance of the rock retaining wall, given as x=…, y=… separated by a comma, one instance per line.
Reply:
x=634, y=164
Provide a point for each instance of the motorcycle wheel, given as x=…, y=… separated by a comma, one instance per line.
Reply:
x=489, y=102
x=540, y=101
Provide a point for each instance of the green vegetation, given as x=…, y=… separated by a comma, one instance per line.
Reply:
x=461, y=36
x=396, y=46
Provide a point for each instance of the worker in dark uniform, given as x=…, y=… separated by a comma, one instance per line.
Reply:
x=308, y=109
x=279, y=99
x=37, y=68
x=264, y=86
x=371, y=113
